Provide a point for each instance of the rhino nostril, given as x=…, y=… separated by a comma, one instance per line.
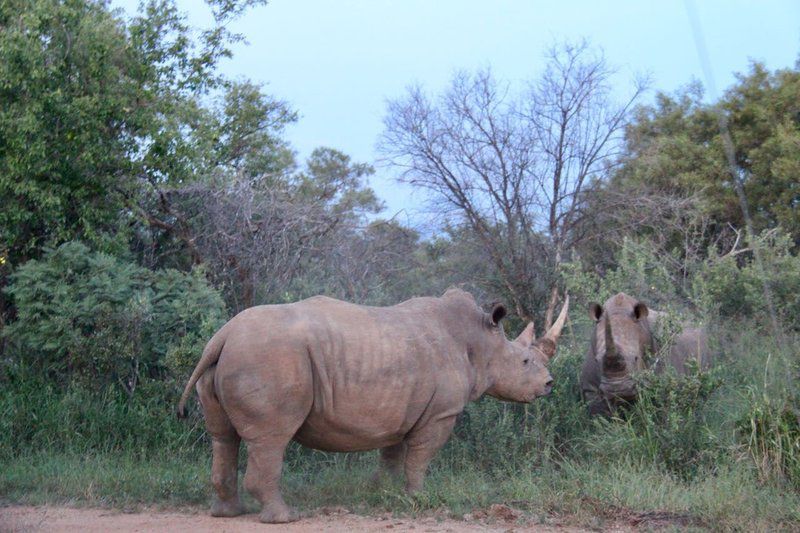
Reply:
x=549, y=383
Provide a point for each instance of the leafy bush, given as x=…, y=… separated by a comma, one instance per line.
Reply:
x=733, y=286
x=91, y=318
x=640, y=272
x=667, y=425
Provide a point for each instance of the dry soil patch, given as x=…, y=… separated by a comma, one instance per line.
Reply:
x=52, y=518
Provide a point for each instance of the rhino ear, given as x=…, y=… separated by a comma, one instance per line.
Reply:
x=498, y=312
x=527, y=336
x=595, y=311
x=640, y=311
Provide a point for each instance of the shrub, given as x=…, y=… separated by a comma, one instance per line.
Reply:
x=667, y=424
x=36, y=414
x=640, y=272
x=733, y=286
x=90, y=318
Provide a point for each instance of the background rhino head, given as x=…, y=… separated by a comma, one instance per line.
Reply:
x=620, y=341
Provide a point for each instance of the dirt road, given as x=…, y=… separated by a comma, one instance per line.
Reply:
x=18, y=518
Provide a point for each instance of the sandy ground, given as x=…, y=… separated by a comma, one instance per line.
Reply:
x=19, y=518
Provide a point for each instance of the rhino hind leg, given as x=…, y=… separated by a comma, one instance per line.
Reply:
x=267, y=422
x=225, y=450
x=422, y=444
x=224, y=476
x=262, y=480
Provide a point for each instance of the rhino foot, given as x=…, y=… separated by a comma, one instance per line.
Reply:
x=221, y=508
x=278, y=514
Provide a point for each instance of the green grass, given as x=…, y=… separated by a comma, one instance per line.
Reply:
x=104, y=480
x=583, y=493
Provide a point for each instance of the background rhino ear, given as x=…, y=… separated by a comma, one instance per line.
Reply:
x=595, y=311
x=498, y=312
x=640, y=311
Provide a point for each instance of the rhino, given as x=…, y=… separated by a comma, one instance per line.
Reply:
x=336, y=376
x=621, y=344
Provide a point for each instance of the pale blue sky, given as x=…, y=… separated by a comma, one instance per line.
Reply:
x=337, y=62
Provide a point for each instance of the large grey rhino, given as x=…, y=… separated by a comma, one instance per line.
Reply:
x=342, y=377
x=620, y=344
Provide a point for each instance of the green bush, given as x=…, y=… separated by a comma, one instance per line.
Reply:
x=90, y=318
x=733, y=286
x=667, y=425
x=640, y=273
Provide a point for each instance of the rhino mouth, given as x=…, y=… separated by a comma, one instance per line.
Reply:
x=532, y=397
x=622, y=388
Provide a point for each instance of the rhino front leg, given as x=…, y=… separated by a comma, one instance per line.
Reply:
x=391, y=461
x=422, y=444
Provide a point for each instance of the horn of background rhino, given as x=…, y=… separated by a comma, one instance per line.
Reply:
x=612, y=361
x=555, y=330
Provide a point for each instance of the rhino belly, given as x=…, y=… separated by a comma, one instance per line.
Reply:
x=334, y=438
x=364, y=417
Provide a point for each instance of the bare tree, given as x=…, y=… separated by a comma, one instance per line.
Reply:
x=514, y=168
x=256, y=234
x=374, y=264
x=254, y=240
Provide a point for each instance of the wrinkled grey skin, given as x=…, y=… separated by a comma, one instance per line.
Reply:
x=342, y=377
x=621, y=343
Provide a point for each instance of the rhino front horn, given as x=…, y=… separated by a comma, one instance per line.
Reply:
x=613, y=362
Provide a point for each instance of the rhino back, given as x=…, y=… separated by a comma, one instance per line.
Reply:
x=691, y=343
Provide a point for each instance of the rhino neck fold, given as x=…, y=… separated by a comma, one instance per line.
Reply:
x=464, y=329
x=481, y=378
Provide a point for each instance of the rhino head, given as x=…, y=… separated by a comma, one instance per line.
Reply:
x=621, y=339
x=517, y=371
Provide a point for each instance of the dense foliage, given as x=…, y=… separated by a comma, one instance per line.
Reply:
x=94, y=318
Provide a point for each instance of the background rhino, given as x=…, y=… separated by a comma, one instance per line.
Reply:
x=342, y=377
x=621, y=340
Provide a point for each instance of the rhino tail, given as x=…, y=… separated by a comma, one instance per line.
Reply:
x=209, y=357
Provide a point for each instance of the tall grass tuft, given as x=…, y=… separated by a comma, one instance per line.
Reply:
x=771, y=430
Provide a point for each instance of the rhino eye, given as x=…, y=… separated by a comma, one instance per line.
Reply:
x=525, y=361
